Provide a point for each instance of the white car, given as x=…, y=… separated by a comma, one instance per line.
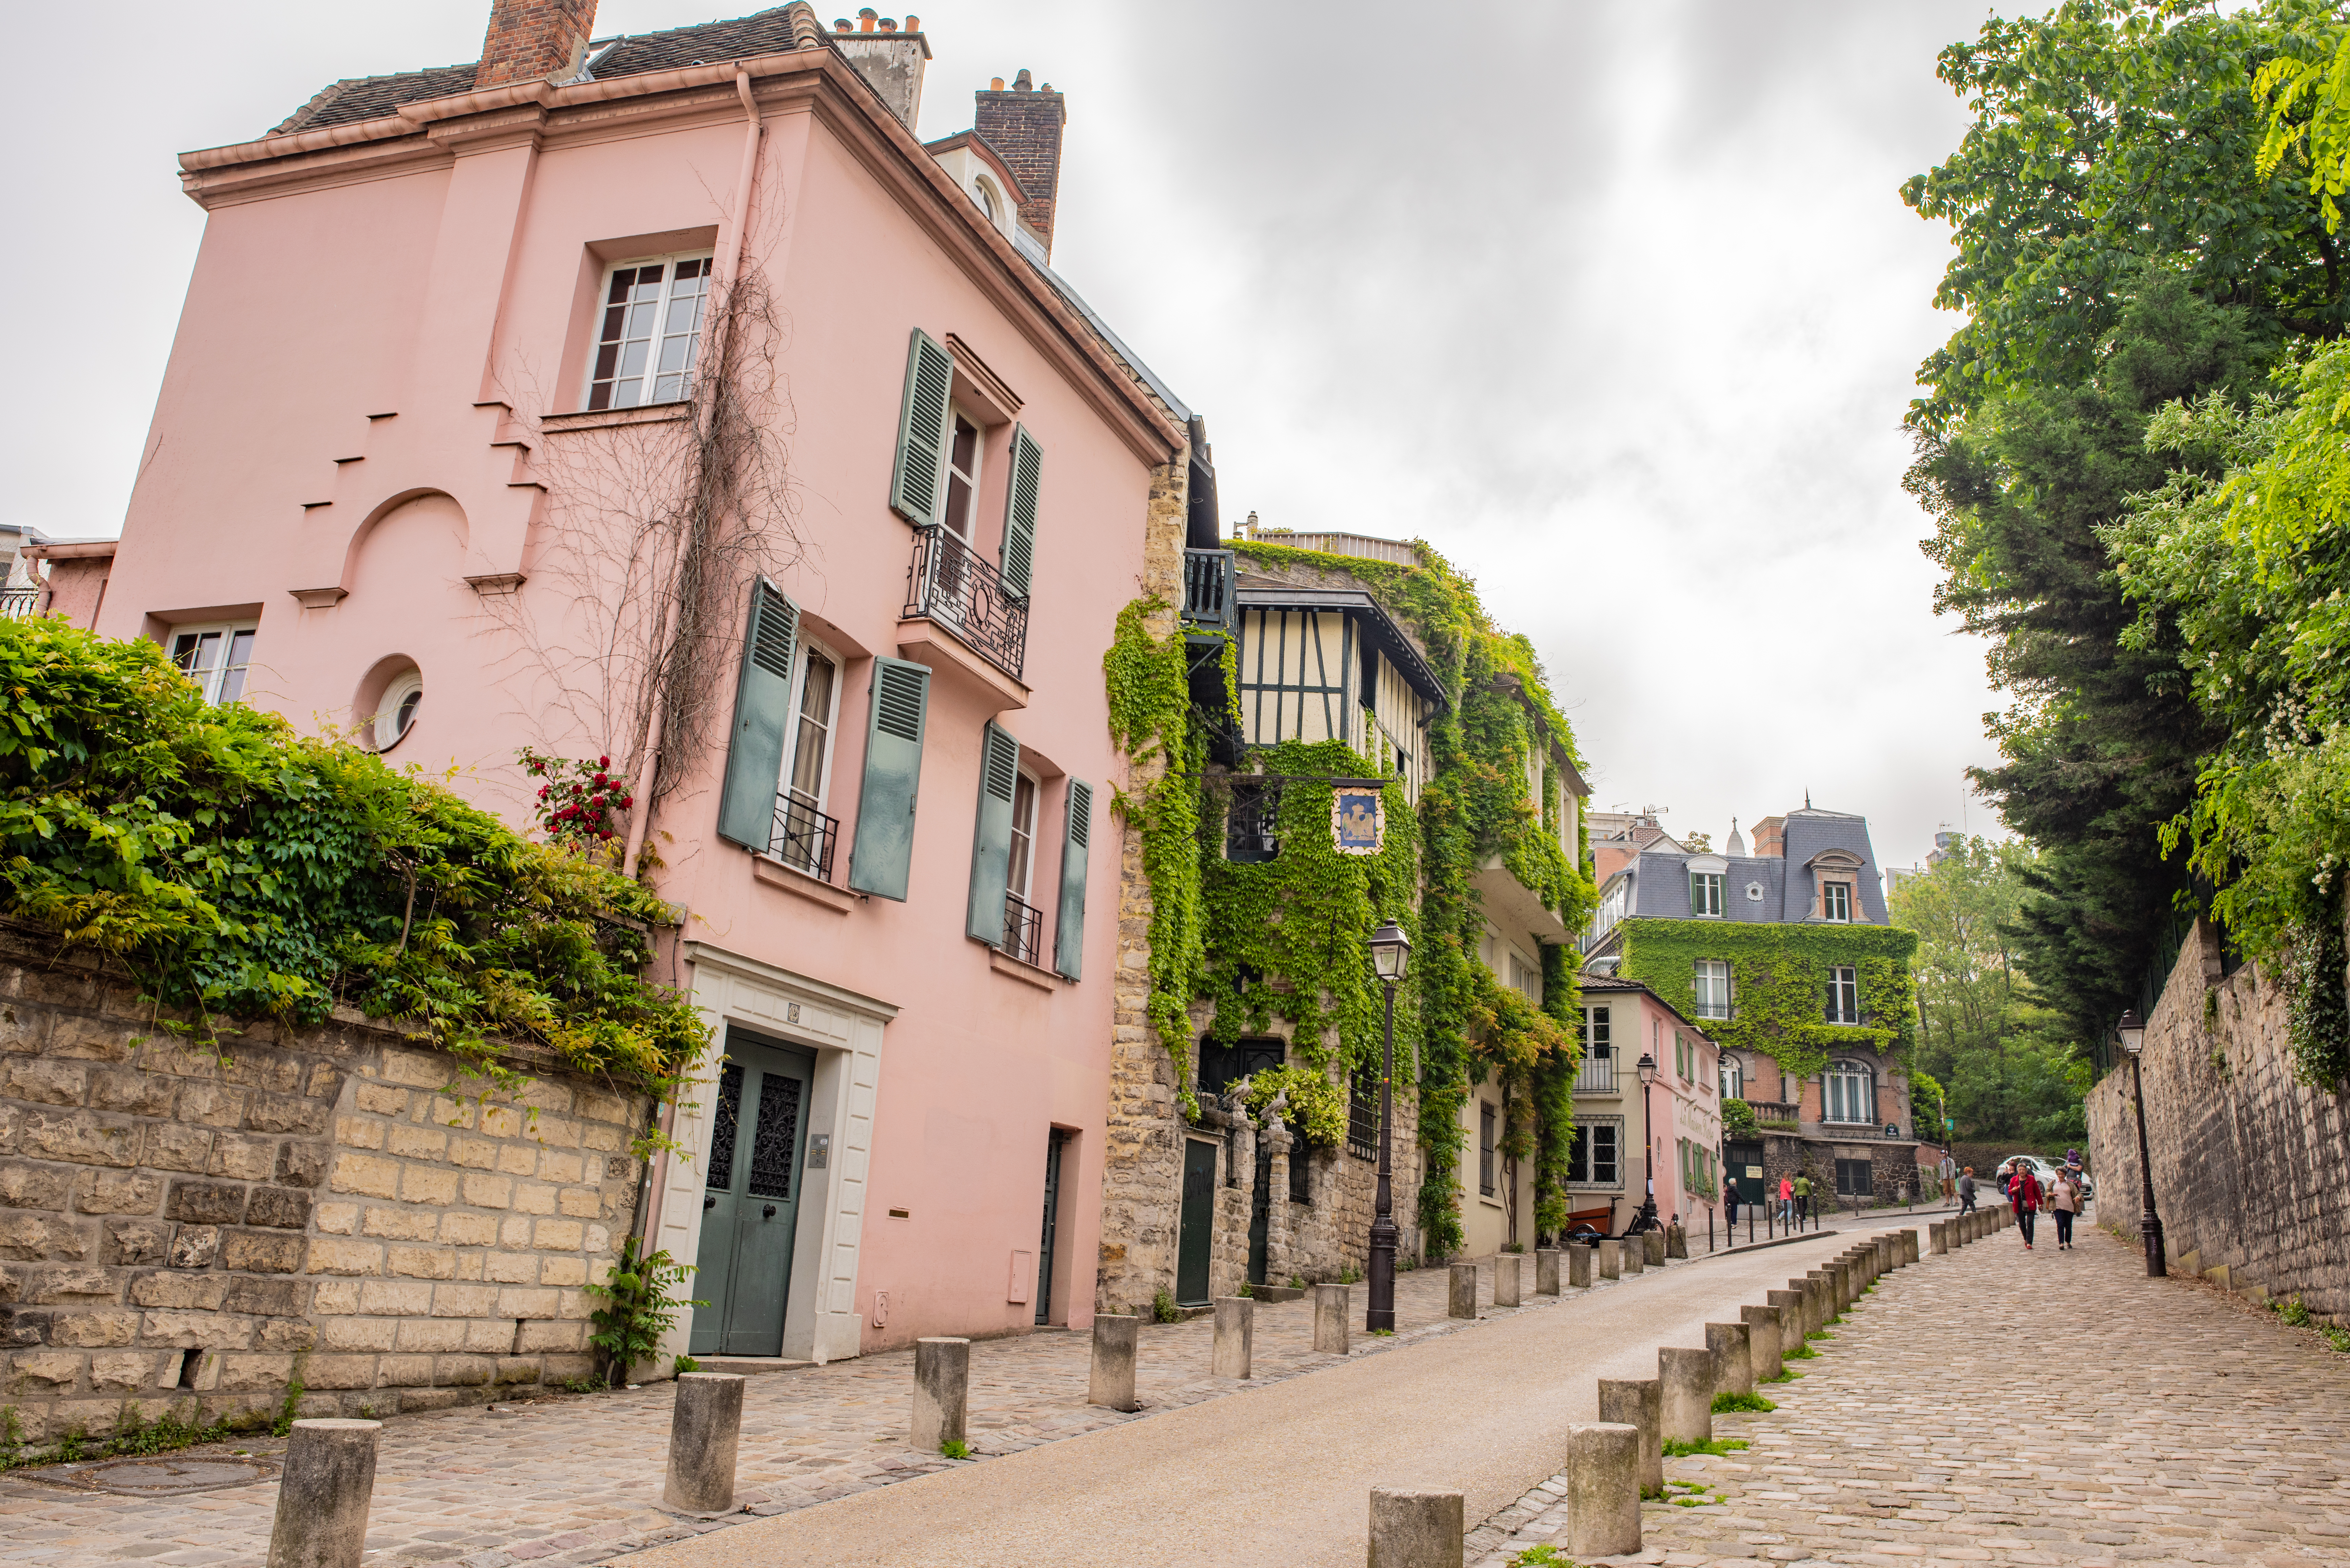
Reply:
x=2045, y=1170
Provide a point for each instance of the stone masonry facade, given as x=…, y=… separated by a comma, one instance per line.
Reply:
x=2249, y=1164
x=191, y=1229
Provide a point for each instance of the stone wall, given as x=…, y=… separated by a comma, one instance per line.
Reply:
x=190, y=1230
x=2251, y=1170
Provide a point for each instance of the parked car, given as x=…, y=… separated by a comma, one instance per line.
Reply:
x=2046, y=1170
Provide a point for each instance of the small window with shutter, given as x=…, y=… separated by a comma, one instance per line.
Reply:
x=1069, y=920
x=1020, y=498
x=763, y=715
x=884, y=853
x=925, y=425
x=990, y=839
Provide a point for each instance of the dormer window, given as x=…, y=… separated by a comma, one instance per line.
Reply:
x=1835, y=901
x=986, y=199
x=1705, y=893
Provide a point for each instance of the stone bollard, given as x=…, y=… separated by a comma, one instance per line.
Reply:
x=1814, y=1286
x=1636, y=1255
x=1116, y=1335
x=1937, y=1238
x=1733, y=1357
x=941, y=1392
x=1791, y=1319
x=1415, y=1529
x=323, y=1492
x=1603, y=1490
x=1685, y=1385
x=1765, y=1339
x=1640, y=1402
x=1330, y=1320
x=1652, y=1249
x=1676, y=1241
x=1462, y=1301
x=1509, y=1279
x=1909, y=1246
x=1578, y=1266
x=1546, y=1270
x=705, y=1427
x=1611, y=1260
x=1835, y=1270
x=1889, y=1254
x=1236, y=1335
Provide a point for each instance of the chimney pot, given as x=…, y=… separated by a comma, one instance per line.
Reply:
x=1025, y=127
x=888, y=24
x=995, y=84
x=840, y=24
x=866, y=18
x=1021, y=82
x=913, y=24
x=535, y=40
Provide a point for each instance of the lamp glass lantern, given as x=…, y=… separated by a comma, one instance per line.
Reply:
x=1648, y=1069
x=1390, y=953
x=2132, y=1030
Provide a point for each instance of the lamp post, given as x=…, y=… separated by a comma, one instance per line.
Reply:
x=1390, y=953
x=2149, y=1223
x=1647, y=1220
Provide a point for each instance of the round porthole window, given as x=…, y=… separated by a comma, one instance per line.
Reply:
x=396, y=713
x=1754, y=892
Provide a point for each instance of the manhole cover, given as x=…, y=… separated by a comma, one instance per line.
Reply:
x=159, y=1477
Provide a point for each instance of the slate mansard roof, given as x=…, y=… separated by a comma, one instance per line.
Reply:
x=356, y=99
x=1660, y=884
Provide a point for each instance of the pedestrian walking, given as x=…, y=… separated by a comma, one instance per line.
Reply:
x=2024, y=1196
x=1729, y=1199
x=1967, y=1191
x=1949, y=1172
x=1803, y=1195
x=1786, y=1201
x=2063, y=1202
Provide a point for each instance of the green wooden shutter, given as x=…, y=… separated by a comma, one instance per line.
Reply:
x=893, y=776
x=1069, y=921
x=991, y=837
x=763, y=712
x=923, y=427
x=1020, y=511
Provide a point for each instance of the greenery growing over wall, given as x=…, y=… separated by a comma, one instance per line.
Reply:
x=241, y=871
x=1778, y=984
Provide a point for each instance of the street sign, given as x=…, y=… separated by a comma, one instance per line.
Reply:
x=1948, y=1124
x=1892, y=1129
x=1358, y=821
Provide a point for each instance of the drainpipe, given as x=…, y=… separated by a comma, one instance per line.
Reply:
x=640, y=819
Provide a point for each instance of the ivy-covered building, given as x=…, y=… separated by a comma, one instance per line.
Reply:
x=1242, y=1141
x=1786, y=957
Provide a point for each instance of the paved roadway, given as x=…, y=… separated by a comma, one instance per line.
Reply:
x=1280, y=1475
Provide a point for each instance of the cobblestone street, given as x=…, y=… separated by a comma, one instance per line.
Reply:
x=2011, y=1407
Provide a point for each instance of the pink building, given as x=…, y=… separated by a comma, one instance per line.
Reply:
x=1624, y=1138
x=664, y=399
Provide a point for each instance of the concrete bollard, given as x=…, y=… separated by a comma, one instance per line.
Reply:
x=1652, y=1249
x=1816, y=1285
x=1463, y=1302
x=1331, y=1323
x=1909, y=1246
x=1603, y=1490
x=1636, y=1255
x=1791, y=1319
x=1236, y=1335
x=1733, y=1357
x=1509, y=1279
x=1937, y=1238
x=1116, y=1336
x=1764, y=1340
x=941, y=1392
x=1676, y=1240
x=1546, y=1270
x=323, y=1493
x=1685, y=1389
x=1415, y=1529
x=1889, y=1254
x=1611, y=1260
x=1640, y=1402
x=705, y=1428
x=1578, y=1267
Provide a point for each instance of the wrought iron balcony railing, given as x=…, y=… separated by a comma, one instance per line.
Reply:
x=1597, y=1077
x=804, y=837
x=1024, y=929
x=950, y=585
x=1208, y=587
x=15, y=604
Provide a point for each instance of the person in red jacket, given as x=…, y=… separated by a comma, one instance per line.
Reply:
x=2024, y=1196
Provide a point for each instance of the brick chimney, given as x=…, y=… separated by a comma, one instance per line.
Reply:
x=535, y=40
x=1023, y=124
x=1771, y=836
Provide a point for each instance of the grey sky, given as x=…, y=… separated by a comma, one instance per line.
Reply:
x=1618, y=306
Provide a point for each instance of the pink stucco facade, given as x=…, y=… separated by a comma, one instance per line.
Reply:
x=371, y=447
x=1671, y=1134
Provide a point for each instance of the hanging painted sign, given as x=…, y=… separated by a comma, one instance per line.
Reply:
x=1358, y=820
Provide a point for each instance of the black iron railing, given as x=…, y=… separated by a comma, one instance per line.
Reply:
x=1208, y=587
x=1024, y=929
x=804, y=837
x=952, y=586
x=15, y=604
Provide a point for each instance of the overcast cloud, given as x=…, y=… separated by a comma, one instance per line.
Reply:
x=1616, y=306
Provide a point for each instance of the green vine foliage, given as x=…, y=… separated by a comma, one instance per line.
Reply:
x=241, y=871
x=1778, y=984
x=1316, y=1106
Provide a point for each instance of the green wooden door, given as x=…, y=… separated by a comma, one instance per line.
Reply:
x=1199, y=1222
x=751, y=1203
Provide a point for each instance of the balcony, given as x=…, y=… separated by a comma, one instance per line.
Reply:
x=15, y=604
x=1208, y=588
x=1024, y=929
x=950, y=586
x=802, y=837
x=1597, y=1077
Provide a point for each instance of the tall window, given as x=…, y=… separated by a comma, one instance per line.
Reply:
x=1705, y=892
x=1733, y=1078
x=1843, y=995
x=1599, y=1075
x=1526, y=979
x=652, y=322
x=1485, y=1119
x=1713, y=988
x=1851, y=1093
x=804, y=839
x=215, y=658
x=962, y=474
x=1594, y=1159
x=1835, y=900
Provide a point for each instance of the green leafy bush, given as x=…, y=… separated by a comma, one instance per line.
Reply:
x=1727, y=1404
x=638, y=1308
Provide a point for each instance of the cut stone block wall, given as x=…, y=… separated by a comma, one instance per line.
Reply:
x=2251, y=1170
x=191, y=1229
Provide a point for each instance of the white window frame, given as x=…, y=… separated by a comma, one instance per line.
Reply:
x=1835, y=1102
x=1835, y=902
x=389, y=731
x=1019, y=886
x=1593, y=1126
x=1711, y=970
x=1706, y=895
x=651, y=375
x=968, y=532
x=1732, y=1073
x=213, y=680
x=831, y=720
x=1844, y=993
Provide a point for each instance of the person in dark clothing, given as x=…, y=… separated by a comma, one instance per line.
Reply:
x=2024, y=1196
x=1729, y=1202
x=1967, y=1191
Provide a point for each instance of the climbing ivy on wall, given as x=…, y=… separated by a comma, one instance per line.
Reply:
x=1778, y=984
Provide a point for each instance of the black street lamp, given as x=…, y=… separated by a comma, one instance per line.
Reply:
x=1647, y=1220
x=2149, y=1223
x=1390, y=954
